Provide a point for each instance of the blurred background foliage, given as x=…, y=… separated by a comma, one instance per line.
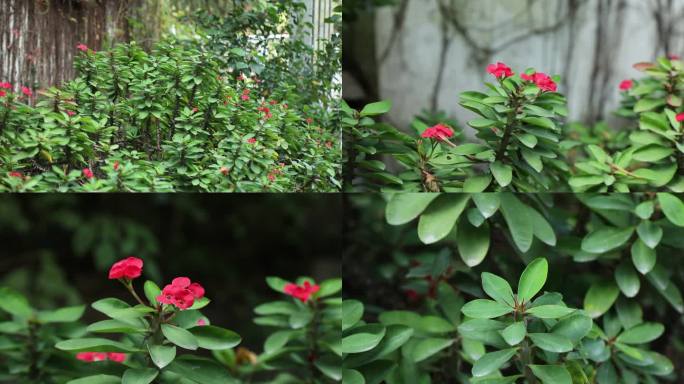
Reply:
x=57, y=250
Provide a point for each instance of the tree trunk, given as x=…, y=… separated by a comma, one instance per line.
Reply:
x=39, y=37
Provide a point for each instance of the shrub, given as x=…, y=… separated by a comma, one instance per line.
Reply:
x=188, y=116
x=519, y=131
x=414, y=310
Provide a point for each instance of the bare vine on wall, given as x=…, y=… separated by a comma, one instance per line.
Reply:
x=558, y=25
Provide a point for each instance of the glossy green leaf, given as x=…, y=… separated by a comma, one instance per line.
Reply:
x=492, y=361
x=551, y=342
x=428, y=347
x=498, y=289
x=606, y=239
x=472, y=242
x=552, y=374
x=485, y=309
x=532, y=279
x=642, y=333
x=378, y=108
x=94, y=345
x=405, y=207
x=179, y=336
x=672, y=207
x=600, y=297
x=162, y=355
x=515, y=215
x=514, y=333
x=14, y=303
x=352, y=311
x=650, y=233
x=627, y=279
x=440, y=217
x=574, y=327
x=139, y=376
x=503, y=173
x=549, y=311
x=643, y=257
x=215, y=338
x=363, y=338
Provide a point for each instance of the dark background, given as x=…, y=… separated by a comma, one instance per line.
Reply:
x=57, y=249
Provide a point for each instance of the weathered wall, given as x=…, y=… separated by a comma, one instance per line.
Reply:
x=38, y=38
x=431, y=50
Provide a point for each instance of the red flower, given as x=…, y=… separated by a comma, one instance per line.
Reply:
x=302, y=292
x=181, y=292
x=438, y=132
x=26, y=91
x=285, y=106
x=271, y=177
x=101, y=356
x=225, y=171
x=16, y=174
x=6, y=85
x=241, y=77
x=82, y=47
x=500, y=70
x=412, y=295
x=626, y=85
x=542, y=80
x=251, y=140
x=244, y=97
x=87, y=173
x=116, y=165
x=266, y=111
x=273, y=102
x=329, y=144
x=128, y=268
x=194, y=110
x=201, y=322
x=71, y=113
x=675, y=57
x=116, y=357
x=309, y=120
x=680, y=117
x=3, y=93
x=91, y=356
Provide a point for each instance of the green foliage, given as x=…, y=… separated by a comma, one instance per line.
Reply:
x=211, y=114
x=596, y=301
x=519, y=127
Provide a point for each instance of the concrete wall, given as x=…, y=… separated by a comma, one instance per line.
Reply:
x=431, y=50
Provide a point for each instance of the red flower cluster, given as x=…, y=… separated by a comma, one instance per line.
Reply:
x=626, y=85
x=116, y=165
x=82, y=47
x=181, y=292
x=26, y=91
x=245, y=94
x=500, y=70
x=88, y=173
x=266, y=111
x=302, y=292
x=3, y=86
x=680, y=117
x=241, y=77
x=542, y=80
x=101, y=356
x=225, y=171
x=438, y=132
x=128, y=268
x=251, y=140
x=309, y=120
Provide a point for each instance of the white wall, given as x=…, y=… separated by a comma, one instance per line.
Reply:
x=544, y=34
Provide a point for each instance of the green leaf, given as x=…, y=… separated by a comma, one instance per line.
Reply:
x=395, y=337
x=61, y=315
x=542, y=229
x=503, y=173
x=405, y=207
x=606, y=239
x=574, y=327
x=650, y=233
x=162, y=355
x=472, y=242
x=627, y=279
x=14, y=303
x=97, y=379
x=645, y=105
x=540, y=122
x=329, y=287
x=179, y=336
x=643, y=257
x=645, y=210
x=201, y=371
x=652, y=153
x=363, y=338
x=379, y=108
x=514, y=333
x=551, y=342
x=487, y=203
x=498, y=289
x=151, y=292
x=477, y=184
x=440, y=217
x=351, y=376
x=139, y=376
x=485, y=309
x=549, y=311
x=492, y=361
x=215, y=338
x=428, y=347
x=276, y=283
x=642, y=333
x=673, y=208
x=113, y=326
x=551, y=374
x=600, y=297
x=532, y=279
x=515, y=215
x=94, y=345
x=352, y=311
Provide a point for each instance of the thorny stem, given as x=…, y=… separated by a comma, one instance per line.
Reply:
x=510, y=126
x=34, y=372
x=129, y=286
